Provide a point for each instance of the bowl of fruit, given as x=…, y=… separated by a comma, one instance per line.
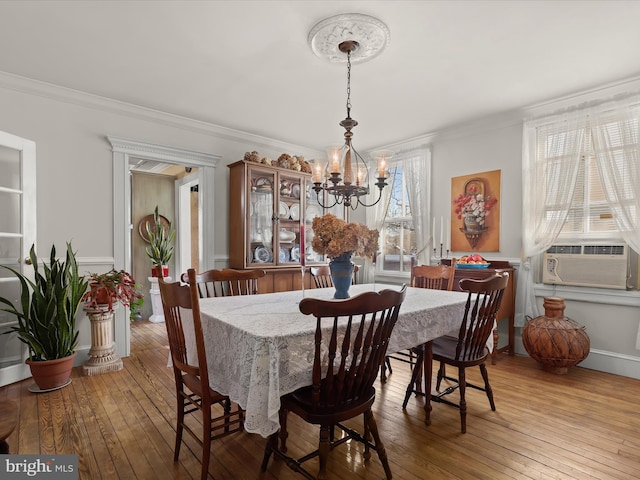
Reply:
x=472, y=261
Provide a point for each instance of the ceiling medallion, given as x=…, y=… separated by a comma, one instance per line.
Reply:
x=371, y=35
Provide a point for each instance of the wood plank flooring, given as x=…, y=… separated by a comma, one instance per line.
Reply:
x=583, y=425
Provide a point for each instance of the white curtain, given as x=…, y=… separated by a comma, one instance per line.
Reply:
x=417, y=164
x=550, y=162
x=616, y=139
x=375, y=219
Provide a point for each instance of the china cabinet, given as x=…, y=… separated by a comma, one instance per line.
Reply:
x=271, y=210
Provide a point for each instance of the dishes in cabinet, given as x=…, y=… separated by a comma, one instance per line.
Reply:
x=295, y=254
x=294, y=212
x=286, y=236
x=262, y=254
x=295, y=190
x=283, y=255
x=263, y=184
x=312, y=212
x=283, y=210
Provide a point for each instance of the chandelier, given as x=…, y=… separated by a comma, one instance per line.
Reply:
x=345, y=174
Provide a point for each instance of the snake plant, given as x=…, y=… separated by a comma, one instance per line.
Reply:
x=48, y=306
x=160, y=249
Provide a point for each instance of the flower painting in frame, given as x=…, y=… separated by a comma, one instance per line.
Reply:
x=475, y=212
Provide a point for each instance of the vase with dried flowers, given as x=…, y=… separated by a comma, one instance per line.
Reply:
x=339, y=240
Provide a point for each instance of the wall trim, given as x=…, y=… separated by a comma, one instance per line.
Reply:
x=600, y=360
x=611, y=362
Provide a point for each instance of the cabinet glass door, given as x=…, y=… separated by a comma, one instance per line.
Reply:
x=313, y=209
x=290, y=213
x=261, y=217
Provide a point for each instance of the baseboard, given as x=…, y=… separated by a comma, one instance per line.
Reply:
x=602, y=361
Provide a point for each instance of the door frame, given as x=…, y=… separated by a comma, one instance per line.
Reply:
x=123, y=150
x=28, y=231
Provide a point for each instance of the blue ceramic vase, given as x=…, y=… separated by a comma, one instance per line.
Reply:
x=341, y=274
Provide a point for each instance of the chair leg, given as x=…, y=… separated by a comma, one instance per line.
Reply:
x=179, y=427
x=370, y=421
x=487, y=387
x=367, y=437
x=323, y=451
x=462, y=382
x=441, y=375
x=283, y=431
x=383, y=369
x=206, y=441
x=415, y=377
x=272, y=444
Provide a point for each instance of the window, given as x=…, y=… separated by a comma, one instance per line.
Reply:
x=589, y=216
x=398, y=235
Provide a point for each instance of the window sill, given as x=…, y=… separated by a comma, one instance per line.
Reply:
x=608, y=296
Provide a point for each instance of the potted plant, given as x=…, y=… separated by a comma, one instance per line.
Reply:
x=107, y=289
x=47, y=317
x=160, y=249
x=106, y=292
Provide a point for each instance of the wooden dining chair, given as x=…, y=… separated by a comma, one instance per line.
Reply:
x=351, y=340
x=227, y=282
x=469, y=348
x=438, y=277
x=322, y=276
x=193, y=393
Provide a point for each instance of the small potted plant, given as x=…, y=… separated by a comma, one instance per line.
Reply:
x=46, y=316
x=160, y=249
x=107, y=289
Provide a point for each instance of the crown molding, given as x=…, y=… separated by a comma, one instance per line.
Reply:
x=51, y=91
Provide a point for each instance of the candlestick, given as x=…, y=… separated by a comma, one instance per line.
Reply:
x=441, y=229
x=433, y=232
x=303, y=249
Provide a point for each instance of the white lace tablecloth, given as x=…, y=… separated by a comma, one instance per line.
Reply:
x=260, y=347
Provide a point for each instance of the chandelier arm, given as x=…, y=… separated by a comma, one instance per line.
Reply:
x=320, y=201
x=360, y=202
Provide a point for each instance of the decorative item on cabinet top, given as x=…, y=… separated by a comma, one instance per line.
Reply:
x=290, y=162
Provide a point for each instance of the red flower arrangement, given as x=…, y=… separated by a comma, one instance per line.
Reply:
x=474, y=206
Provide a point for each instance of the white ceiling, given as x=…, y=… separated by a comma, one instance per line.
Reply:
x=247, y=65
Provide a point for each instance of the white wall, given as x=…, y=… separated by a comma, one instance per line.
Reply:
x=74, y=164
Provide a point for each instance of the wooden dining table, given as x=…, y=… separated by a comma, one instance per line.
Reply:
x=260, y=347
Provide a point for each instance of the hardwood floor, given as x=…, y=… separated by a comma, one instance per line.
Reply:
x=584, y=425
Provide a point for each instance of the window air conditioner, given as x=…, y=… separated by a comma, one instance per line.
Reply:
x=602, y=266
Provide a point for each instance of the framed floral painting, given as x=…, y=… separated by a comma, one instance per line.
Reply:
x=475, y=212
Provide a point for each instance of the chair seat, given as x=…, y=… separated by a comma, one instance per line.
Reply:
x=445, y=348
x=300, y=403
x=193, y=383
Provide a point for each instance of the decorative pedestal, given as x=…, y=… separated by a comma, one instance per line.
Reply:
x=102, y=357
x=552, y=339
x=156, y=300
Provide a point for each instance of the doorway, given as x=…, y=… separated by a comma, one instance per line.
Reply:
x=126, y=155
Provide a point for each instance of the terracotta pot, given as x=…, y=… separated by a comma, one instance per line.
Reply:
x=51, y=374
